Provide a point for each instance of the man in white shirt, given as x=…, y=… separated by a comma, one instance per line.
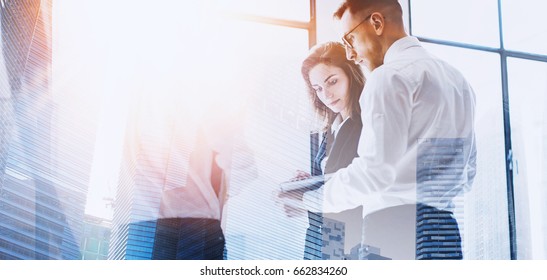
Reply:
x=416, y=150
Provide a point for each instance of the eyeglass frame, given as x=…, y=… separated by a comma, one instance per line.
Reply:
x=345, y=41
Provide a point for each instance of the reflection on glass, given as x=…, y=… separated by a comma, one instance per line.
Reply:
x=467, y=21
x=485, y=223
x=278, y=132
x=528, y=104
x=282, y=9
x=524, y=27
x=327, y=29
x=43, y=183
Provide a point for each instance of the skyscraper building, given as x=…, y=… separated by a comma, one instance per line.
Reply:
x=95, y=238
x=236, y=247
x=136, y=209
x=439, y=169
x=33, y=223
x=333, y=232
x=365, y=252
x=44, y=171
x=138, y=197
x=314, y=239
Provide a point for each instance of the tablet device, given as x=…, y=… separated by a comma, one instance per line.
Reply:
x=307, y=184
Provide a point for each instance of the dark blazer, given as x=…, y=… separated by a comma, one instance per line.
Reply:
x=344, y=148
x=340, y=151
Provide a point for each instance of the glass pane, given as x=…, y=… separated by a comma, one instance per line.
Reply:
x=41, y=197
x=326, y=25
x=528, y=107
x=524, y=27
x=89, y=256
x=277, y=130
x=104, y=248
x=283, y=9
x=92, y=245
x=467, y=21
x=485, y=220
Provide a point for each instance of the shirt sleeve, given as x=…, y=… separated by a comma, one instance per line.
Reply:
x=234, y=156
x=386, y=112
x=242, y=168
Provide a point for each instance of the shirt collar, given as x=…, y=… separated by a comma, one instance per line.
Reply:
x=398, y=46
x=337, y=124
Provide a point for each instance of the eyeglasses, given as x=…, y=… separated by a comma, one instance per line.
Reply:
x=344, y=38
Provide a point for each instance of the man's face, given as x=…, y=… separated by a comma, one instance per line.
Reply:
x=361, y=40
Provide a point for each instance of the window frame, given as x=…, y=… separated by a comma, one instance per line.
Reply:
x=504, y=54
x=310, y=26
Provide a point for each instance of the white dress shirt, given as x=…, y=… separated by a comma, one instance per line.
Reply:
x=196, y=198
x=418, y=123
x=170, y=160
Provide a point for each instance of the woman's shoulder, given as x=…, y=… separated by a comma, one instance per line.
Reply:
x=353, y=123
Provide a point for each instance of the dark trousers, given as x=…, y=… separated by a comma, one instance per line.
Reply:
x=413, y=231
x=314, y=237
x=437, y=234
x=188, y=239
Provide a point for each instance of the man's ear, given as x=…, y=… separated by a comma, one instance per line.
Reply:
x=378, y=23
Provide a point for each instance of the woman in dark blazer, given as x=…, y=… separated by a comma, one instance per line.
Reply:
x=334, y=86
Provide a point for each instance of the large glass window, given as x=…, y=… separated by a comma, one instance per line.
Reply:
x=277, y=130
x=473, y=22
x=524, y=27
x=507, y=105
x=64, y=127
x=485, y=235
x=327, y=28
x=280, y=9
x=528, y=107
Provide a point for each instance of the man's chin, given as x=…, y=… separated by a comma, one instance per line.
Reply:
x=364, y=67
x=362, y=63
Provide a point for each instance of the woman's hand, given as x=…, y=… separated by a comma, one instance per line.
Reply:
x=291, y=202
x=300, y=175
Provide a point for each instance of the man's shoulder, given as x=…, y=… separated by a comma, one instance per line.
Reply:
x=412, y=66
x=401, y=70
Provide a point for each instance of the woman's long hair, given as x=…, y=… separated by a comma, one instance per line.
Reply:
x=334, y=54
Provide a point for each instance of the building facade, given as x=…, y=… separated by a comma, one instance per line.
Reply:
x=140, y=185
x=95, y=238
x=45, y=154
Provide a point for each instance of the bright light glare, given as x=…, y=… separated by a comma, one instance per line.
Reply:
x=118, y=54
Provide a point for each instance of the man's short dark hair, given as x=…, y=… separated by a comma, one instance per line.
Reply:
x=355, y=6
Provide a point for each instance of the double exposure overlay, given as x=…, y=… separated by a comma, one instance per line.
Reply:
x=135, y=129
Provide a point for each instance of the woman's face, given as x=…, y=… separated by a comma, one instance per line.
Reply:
x=331, y=84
